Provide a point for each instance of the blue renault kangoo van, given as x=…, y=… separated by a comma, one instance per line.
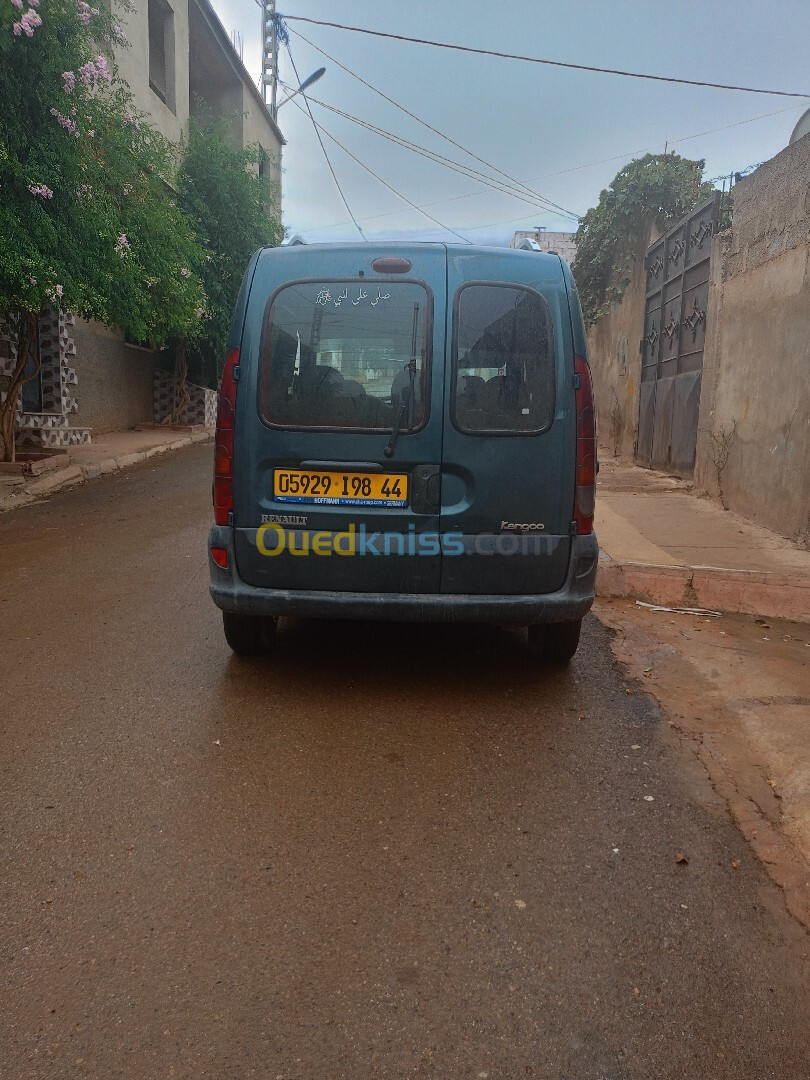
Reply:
x=405, y=432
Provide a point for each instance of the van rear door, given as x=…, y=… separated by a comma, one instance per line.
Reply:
x=342, y=345
x=509, y=435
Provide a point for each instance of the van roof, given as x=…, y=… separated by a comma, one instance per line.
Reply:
x=300, y=251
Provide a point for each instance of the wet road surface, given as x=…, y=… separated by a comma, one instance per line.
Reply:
x=390, y=851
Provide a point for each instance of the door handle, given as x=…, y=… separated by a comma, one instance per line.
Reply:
x=426, y=489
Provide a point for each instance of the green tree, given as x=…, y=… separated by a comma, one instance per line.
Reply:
x=221, y=190
x=653, y=190
x=88, y=218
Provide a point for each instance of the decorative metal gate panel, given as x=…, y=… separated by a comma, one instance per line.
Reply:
x=678, y=268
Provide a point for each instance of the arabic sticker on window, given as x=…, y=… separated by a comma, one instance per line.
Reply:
x=325, y=298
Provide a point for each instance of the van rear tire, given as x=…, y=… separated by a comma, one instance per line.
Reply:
x=555, y=643
x=248, y=635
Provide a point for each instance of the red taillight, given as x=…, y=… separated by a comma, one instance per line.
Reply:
x=220, y=556
x=586, y=448
x=223, y=444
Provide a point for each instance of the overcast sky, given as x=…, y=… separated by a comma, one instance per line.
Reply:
x=551, y=128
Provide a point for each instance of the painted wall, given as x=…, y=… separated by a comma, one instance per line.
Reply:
x=115, y=380
x=133, y=65
x=757, y=359
x=257, y=127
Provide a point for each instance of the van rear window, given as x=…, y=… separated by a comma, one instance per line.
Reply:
x=503, y=375
x=338, y=354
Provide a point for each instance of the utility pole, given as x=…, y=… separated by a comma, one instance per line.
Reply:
x=269, y=54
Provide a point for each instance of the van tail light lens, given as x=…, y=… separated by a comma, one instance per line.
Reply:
x=223, y=442
x=220, y=556
x=586, y=448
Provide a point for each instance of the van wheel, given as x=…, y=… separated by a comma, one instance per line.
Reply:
x=248, y=635
x=555, y=643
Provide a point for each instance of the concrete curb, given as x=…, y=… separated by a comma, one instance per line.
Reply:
x=76, y=473
x=745, y=592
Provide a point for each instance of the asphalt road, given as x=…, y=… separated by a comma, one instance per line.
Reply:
x=390, y=851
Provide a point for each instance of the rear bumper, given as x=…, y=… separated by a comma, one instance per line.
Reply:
x=567, y=604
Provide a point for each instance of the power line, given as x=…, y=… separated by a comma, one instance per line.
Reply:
x=539, y=202
x=320, y=140
x=538, y=60
x=384, y=182
x=429, y=127
x=577, y=168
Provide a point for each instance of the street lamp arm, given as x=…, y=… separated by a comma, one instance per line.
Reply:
x=313, y=78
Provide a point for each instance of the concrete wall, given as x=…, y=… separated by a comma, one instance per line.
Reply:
x=757, y=358
x=201, y=57
x=133, y=65
x=613, y=351
x=115, y=380
x=257, y=128
x=561, y=243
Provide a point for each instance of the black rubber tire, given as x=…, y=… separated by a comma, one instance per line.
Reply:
x=248, y=635
x=555, y=643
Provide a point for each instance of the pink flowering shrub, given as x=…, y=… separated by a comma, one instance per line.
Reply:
x=28, y=23
x=87, y=73
x=102, y=69
x=88, y=221
x=65, y=121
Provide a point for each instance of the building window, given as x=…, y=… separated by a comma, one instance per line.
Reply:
x=336, y=354
x=31, y=395
x=504, y=377
x=161, y=52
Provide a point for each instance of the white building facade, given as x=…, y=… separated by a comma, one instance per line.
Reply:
x=561, y=243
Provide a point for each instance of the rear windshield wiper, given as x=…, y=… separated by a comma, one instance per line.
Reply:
x=407, y=401
x=392, y=442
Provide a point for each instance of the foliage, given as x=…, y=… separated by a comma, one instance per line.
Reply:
x=228, y=202
x=88, y=220
x=720, y=444
x=726, y=211
x=653, y=190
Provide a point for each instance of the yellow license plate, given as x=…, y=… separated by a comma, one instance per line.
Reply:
x=340, y=488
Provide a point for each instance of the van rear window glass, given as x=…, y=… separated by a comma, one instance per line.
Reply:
x=503, y=379
x=338, y=354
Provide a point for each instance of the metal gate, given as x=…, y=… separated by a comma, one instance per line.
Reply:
x=678, y=268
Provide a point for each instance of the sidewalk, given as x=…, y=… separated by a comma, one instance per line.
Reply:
x=105, y=454
x=661, y=544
